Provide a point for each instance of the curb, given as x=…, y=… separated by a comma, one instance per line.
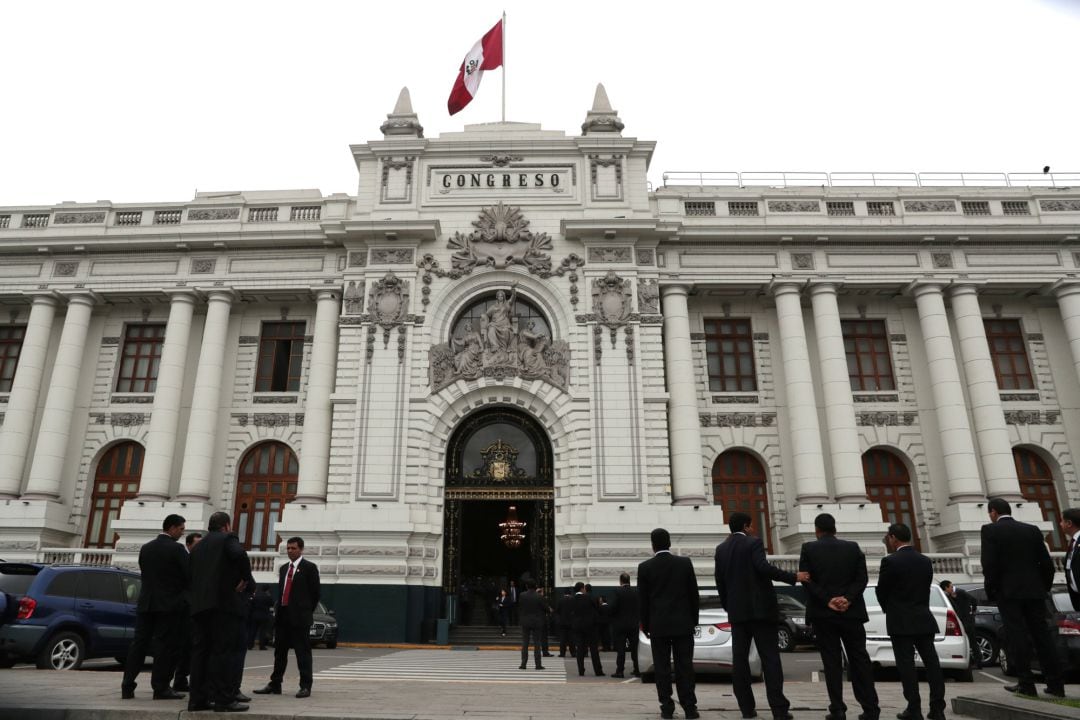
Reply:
x=1012, y=708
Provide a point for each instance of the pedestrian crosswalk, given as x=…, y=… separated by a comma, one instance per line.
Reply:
x=448, y=666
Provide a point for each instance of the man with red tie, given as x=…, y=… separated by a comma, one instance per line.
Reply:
x=298, y=594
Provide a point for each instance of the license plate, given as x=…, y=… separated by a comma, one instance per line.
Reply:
x=313, y=632
x=798, y=620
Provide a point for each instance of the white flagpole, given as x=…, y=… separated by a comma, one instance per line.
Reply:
x=504, y=66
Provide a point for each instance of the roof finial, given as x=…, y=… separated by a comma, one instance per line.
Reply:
x=601, y=118
x=403, y=120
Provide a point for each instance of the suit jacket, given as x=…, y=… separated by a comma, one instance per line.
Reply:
x=668, y=593
x=532, y=609
x=583, y=613
x=903, y=591
x=218, y=564
x=163, y=563
x=564, y=609
x=1075, y=579
x=625, y=609
x=744, y=579
x=1016, y=564
x=837, y=568
x=965, y=607
x=304, y=594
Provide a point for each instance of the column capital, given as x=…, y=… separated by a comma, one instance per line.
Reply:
x=824, y=287
x=965, y=287
x=924, y=286
x=325, y=292
x=676, y=289
x=188, y=295
x=225, y=294
x=43, y=297
x=81, y=297
x=1065, y=287
x=786, y=286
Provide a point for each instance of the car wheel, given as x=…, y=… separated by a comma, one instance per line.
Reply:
x=784, y=641
x=1003, y=662
x=987, y=649
x=648, y=677
x=7, y=662
x=63, y=651
x=331, y=645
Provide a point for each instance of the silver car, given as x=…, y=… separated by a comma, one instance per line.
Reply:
x=712, y=644
x=950, y=642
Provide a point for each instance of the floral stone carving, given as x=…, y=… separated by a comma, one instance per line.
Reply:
x=388, y=301
x=499, y=348
x=502, y=238
x=611, y=299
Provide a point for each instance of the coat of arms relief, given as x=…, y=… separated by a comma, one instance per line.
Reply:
x=502, y=237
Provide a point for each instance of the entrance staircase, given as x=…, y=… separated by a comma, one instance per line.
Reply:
x=476, y=635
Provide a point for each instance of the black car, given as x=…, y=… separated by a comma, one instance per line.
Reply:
x=793, y=629
x=988, y=624
x=1066, y=623
x=324, y=628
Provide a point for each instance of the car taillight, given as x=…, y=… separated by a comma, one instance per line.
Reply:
x=952, y=625
x=26, y=607
x=1068, y=627
x=726, y=627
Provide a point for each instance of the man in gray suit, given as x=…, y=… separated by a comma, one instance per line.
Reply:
x=532, y=612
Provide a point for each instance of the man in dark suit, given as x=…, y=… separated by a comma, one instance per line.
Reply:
x=532, y=612
x=1018, y=574
x=668, y=593
x=1070, y=525
x=744, y=581
x=625, y=618
x=836, y=609
x=566, y=633
x=262, y=606
x=183, y=660
x=298, y=594
x=159, y=616
x=965, y=606
x=583, y=625
x=220, y=569
x=903, y=591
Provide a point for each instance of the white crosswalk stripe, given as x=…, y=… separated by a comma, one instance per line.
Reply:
x=448, y=666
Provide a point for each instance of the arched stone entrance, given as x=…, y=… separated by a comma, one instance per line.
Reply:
x=496, y=460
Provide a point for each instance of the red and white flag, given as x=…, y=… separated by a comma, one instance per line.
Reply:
x=486, y=54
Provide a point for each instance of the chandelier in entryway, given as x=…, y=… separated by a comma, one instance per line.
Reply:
x=512, y=535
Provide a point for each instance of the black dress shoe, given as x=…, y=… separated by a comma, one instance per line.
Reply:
x=127, y=694
x=1019, y=689
x=242, y=698
x=783, y=716
x=269, y=689
x=181, y=687
x=617, y=674
x=636, y=673
x=539, y=667
x=749, y=714
x=168, y=694
x=667, y=714
x=303, y=692
x=908, y=715
x=936, y=715
x=600, y=674
x=836, y=716
x=1057, y=690
x=231, y=707
x=548, y=655
x=691, y=713
x=521, y=667
x=198, y=707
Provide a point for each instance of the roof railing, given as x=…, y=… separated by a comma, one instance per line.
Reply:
x=781, y=179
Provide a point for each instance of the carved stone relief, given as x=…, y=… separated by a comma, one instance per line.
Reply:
x=738, y=419
x=609, y=254
x=1032, y=417
x=65, y=269
x=794, y=206
x=501, y=160
x=501, y=238
x=648, y=296
x=885, y=418
x=802, y=261
x=929, y=206
x=358, y=259
x=1060, y=205
x=942, y=260
x=391, y=256
x=645, y=257
x=354, y=298
x=214, y=214
x=202, y=266
x=611, y=299
x=388, y=300
x=79, y=218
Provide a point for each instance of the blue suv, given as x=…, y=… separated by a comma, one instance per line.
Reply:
x=59, y=615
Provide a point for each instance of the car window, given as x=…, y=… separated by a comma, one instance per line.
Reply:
x=320, y=608
x=16, y=579
x=102, y=586
x=1062, y=602
x=937, y=597
x=130, y=585
x=64, y=585
x=711, y=603
x=789, y=603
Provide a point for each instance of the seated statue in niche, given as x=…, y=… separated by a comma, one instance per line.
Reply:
x=497, y=328
x=532, y=346
x=468, y=353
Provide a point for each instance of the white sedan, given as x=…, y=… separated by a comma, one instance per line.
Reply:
x=950, y=642
x=712, y=644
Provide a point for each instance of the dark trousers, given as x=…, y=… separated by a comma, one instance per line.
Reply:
x=533, y=631
x=183, y=657
x=904, y=647
x=264, y=626
x=289, y=635
x=763, y=634
x=682, y=647
x=852, y=634
x=160, y=635
x=239, y=654
x=585, y=641
x=973, y=645
x=1026, y=619
x=212, y=659
x=566, y=640
x=625, y=636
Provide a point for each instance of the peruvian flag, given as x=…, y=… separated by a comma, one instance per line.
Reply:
x=486, y=54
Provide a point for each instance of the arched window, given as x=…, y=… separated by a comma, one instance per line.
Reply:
x=739, y=484
x=266, y=482
x=889, y=485
x=1037, y=486
x=116, y=480
x=524, y=313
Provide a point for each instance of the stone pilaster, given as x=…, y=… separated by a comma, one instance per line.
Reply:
x=18, y=428
x=684, y=423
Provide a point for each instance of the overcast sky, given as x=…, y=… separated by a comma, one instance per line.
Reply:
x=153, y=100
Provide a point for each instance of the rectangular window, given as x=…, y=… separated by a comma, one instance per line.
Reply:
x=730, y=352
x=866, y=344
x=281, y=354
x=140, y=359
x=11, y=340
x=1009, y=354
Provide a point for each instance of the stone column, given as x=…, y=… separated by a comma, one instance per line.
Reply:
x=992, y=434
x=18, y=427
x=1068, y=297
x=47, y=468
x=805, y=431
x=206, y=401
x=961, y=467
x=684, y=423
x=315, y=442
x=165, y=414
x=849, y=484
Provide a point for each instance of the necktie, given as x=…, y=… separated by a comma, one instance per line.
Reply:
x=288, y=585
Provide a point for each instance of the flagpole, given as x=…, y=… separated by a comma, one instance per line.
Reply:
x=504, y=66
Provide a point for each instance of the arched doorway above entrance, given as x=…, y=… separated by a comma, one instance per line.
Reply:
x=498, y=469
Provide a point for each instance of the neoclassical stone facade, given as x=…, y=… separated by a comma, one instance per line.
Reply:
x=511, y=316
